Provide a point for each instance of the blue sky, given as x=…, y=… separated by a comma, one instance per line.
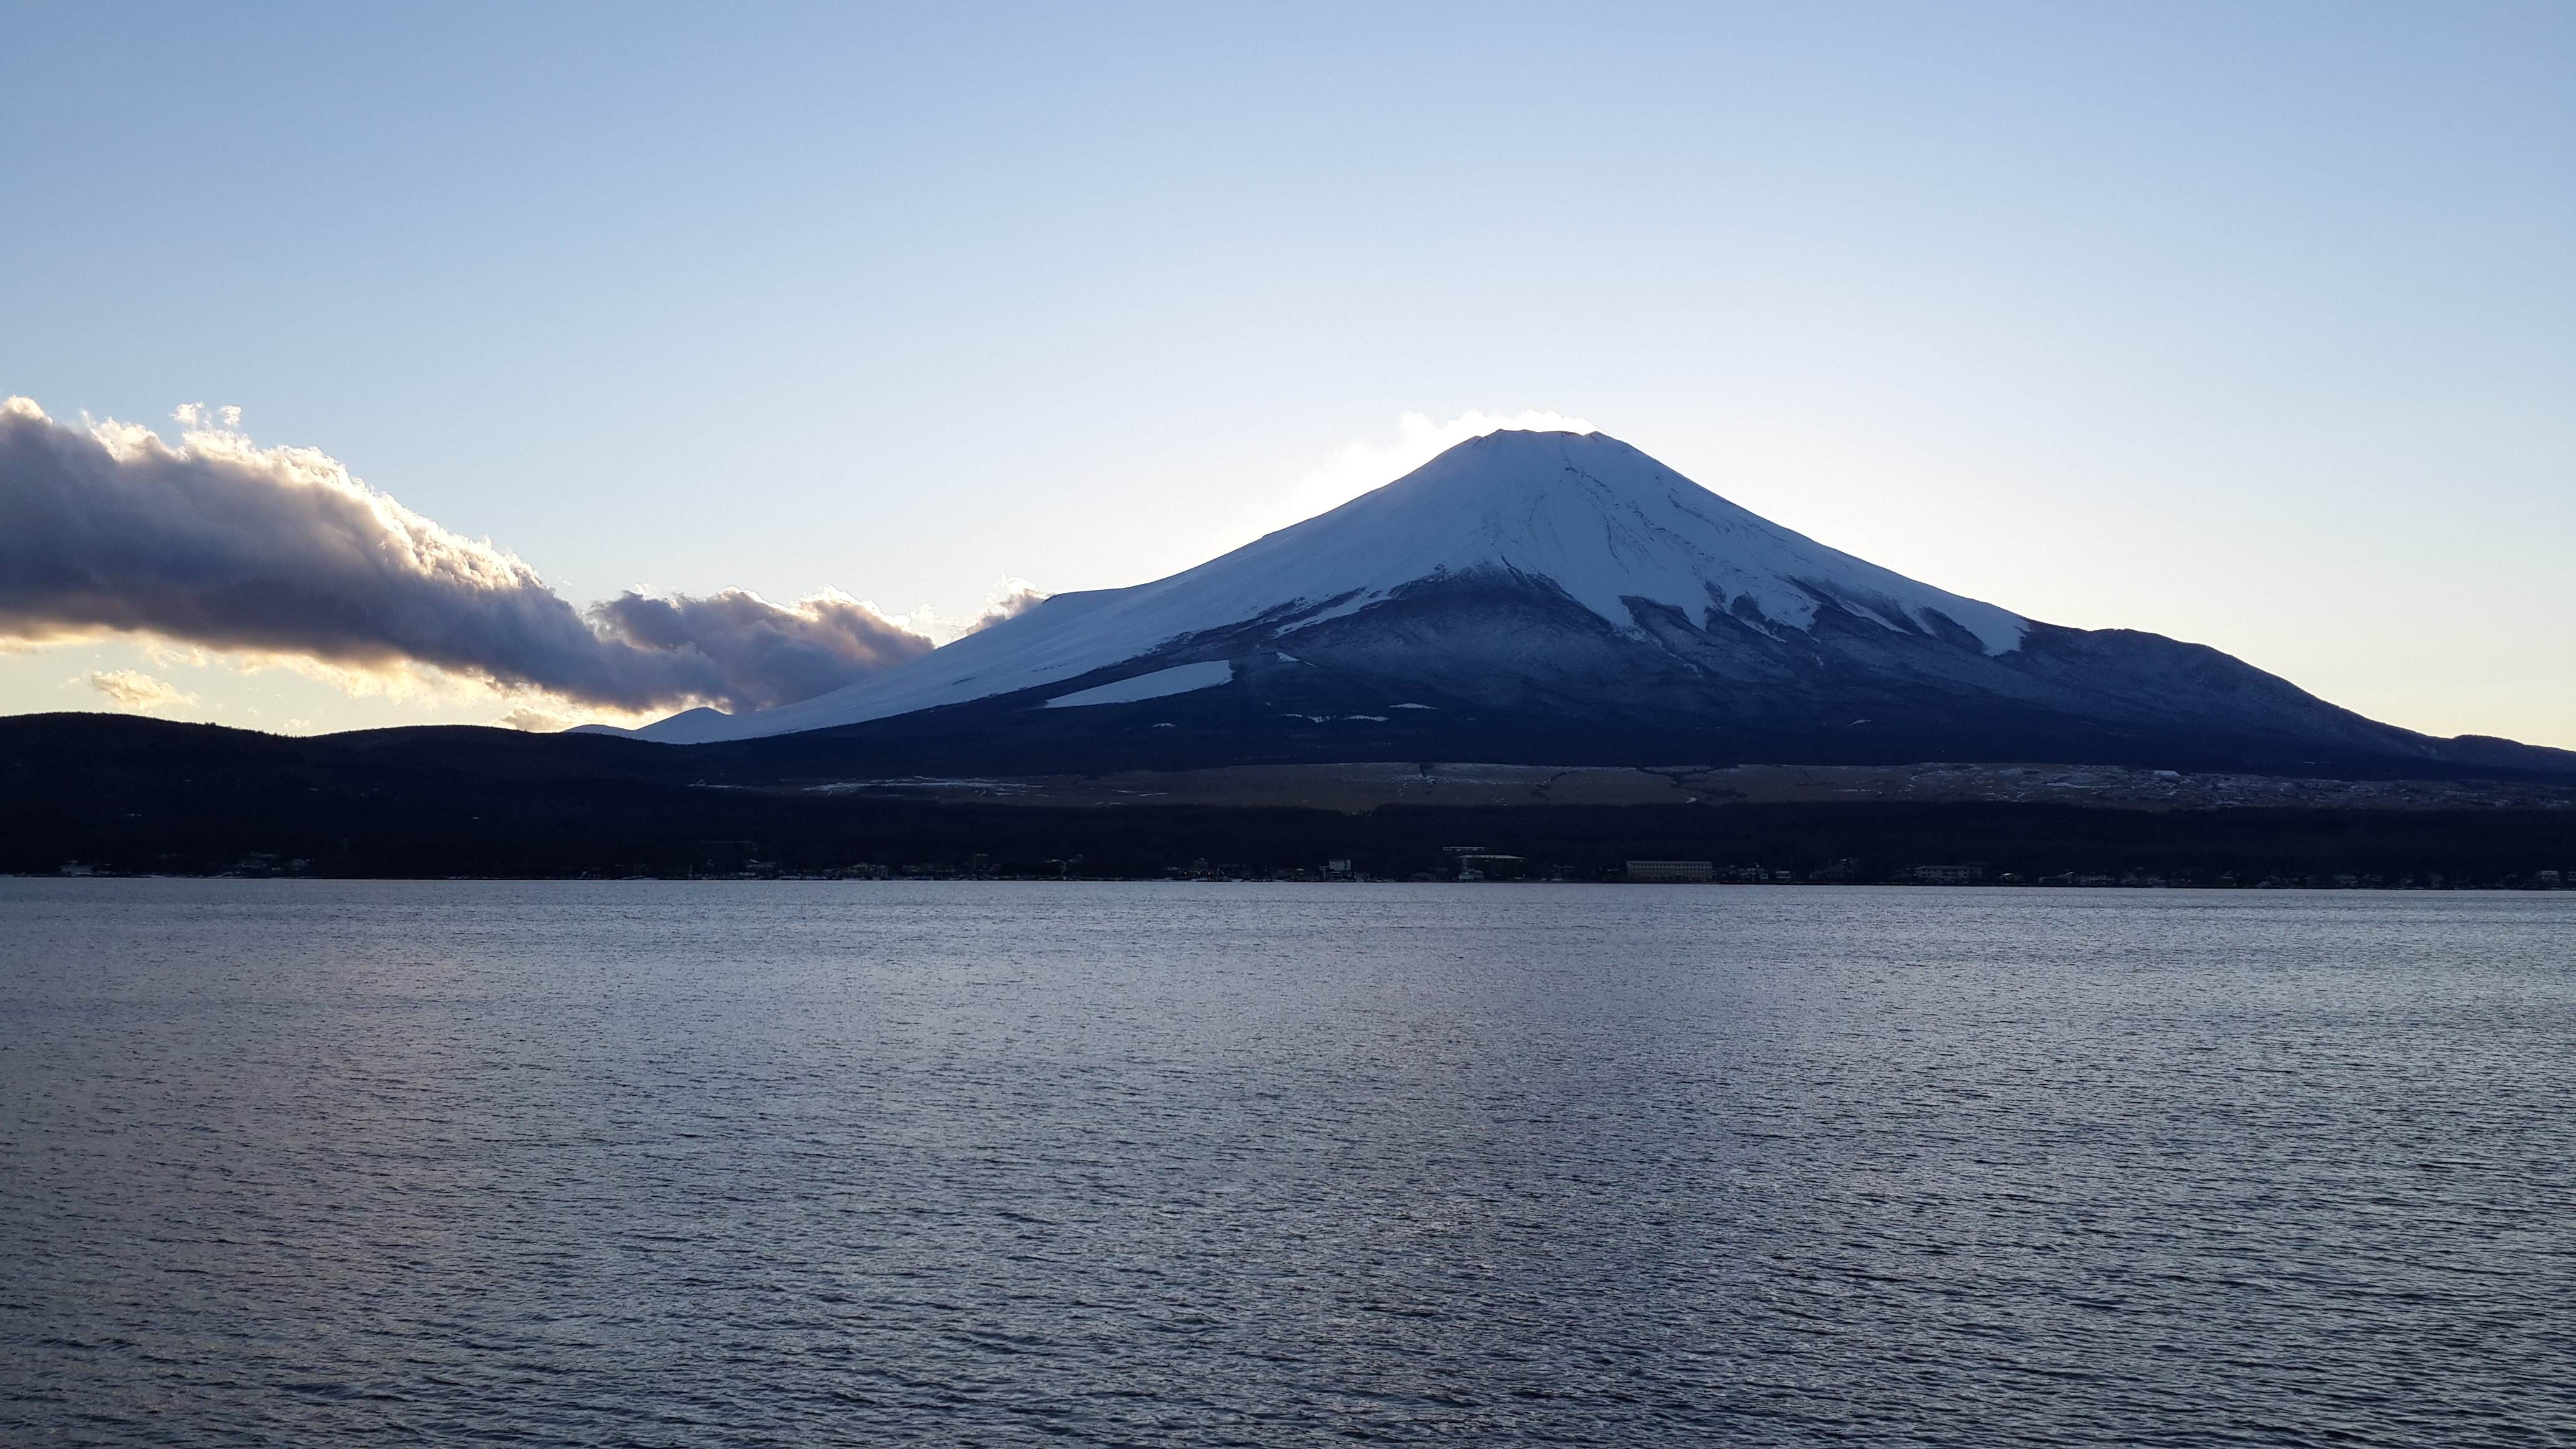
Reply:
x=2250, y=324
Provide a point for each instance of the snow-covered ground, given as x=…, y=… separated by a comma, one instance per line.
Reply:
x=1600, y=520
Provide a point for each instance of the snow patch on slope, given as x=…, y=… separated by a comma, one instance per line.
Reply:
x=1179, y=679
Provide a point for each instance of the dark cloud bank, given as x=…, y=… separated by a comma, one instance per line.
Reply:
x=226, y=545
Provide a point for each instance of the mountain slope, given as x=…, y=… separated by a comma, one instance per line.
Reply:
x=1538, y=596
x=1595, y=519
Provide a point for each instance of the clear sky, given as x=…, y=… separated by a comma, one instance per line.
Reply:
x=2253, y=324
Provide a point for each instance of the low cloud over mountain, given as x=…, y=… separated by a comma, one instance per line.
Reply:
x=220, y=543
x=768, y=655
x=133, y=689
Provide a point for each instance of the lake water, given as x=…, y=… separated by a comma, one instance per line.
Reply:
x=789, y=1163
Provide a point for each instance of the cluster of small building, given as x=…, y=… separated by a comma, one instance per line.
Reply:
x=256, y=866
x=1473, y=863
x=1848, y=872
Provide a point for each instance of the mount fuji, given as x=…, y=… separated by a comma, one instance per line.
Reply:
x=1560, y=598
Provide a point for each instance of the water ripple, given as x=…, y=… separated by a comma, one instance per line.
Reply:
x=878, y=1164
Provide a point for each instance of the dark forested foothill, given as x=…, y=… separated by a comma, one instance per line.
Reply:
x=126, y=795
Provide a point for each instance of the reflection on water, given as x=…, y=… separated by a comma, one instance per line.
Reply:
x=799, y=1163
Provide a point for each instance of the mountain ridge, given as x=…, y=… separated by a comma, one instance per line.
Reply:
x=1592, y=517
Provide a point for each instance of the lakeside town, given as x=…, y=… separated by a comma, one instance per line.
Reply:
x=1472, y=865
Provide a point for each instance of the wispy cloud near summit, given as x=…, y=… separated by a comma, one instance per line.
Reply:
x=1368, y=463
x=221, y=543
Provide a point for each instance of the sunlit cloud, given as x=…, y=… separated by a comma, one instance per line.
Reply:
x=136, y=691
x=1008, y=600
x=546, y=717
x=278, y=557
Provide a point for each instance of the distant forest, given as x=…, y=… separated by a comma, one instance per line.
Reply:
x=152, y=798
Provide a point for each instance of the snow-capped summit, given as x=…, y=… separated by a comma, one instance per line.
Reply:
x=1581, y=515
x=1585, y=513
